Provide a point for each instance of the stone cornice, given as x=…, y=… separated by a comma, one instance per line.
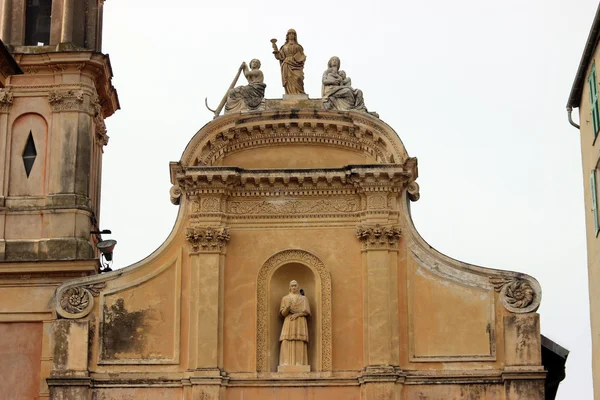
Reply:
x=195, y=181
x=97, y=65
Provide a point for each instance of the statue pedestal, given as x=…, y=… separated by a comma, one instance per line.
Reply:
x=295, y=97
x=293, y=368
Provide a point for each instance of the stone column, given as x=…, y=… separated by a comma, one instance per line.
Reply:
x=380, y=305
x=6, y=20
x=523, y=371
x=67, y=22
x=6, y=99
x=206, y=310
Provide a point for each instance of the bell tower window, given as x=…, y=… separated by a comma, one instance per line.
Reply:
x=37, y=22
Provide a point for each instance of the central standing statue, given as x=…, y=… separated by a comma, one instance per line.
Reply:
x=291, y=58
x=293, y=355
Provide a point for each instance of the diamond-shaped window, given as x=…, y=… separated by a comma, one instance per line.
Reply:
x=29, y=154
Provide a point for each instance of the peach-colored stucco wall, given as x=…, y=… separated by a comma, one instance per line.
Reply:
x=20, y=354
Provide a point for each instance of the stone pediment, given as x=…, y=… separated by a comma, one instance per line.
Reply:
x=354, y=135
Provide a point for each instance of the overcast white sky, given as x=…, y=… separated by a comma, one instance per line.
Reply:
x=476, y=90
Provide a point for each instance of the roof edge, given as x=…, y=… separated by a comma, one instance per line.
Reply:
x=588, y=51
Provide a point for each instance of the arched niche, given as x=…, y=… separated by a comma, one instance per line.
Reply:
x=272, y=284
x=29, y=137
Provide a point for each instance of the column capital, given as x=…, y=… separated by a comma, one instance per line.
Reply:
x=378, y=237
x=207, y=239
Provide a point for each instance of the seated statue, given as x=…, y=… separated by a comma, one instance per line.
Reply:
x=250, y=97
x=338, y=93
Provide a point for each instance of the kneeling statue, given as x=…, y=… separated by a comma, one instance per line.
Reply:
x=293, y=355
x=250, y=97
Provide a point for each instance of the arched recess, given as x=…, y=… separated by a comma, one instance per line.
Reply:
x=29, y=138
x=321, y=308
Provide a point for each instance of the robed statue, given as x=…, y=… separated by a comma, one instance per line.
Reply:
x=291, y=58
x=251, y=96
x=294, y=334
x=337, y=91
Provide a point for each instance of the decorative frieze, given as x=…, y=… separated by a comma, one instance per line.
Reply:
x=67, y=100
x=207, y=239
x=293, y=206
x=378, y=237
x=518, y=295
x=77, y=302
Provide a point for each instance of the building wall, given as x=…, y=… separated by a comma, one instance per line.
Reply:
x=590, y=154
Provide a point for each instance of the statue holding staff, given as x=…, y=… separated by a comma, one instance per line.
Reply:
x=244, y=98
x=291, y=58
x=249, y=97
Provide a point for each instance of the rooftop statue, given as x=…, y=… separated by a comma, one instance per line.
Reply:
x=244, y=98
x=250, y=97
x=337, y=91
x=291, y=58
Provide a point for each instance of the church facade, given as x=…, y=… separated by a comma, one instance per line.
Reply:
x=294, y=269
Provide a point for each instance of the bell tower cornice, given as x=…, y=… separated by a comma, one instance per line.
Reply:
x=93, y=68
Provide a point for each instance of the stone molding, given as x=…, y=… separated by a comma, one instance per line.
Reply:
x=93, y=64
x=378, y=237
x=207, y=239
x=74, y=302
x=6, y=100
x=238, y=182
x=518, y=295
x=267, y=269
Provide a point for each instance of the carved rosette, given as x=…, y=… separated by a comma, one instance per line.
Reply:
x=378, y=237
x=78, y=301
x=518, y=295
x=66, y=100
x=6, y=100
x=207, y=239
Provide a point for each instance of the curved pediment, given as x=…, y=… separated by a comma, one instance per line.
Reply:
x=295, y=139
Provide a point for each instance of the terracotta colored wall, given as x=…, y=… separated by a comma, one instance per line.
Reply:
x=20, y=354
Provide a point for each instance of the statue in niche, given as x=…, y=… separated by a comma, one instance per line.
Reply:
x=337, y=91
x=250, y=97
x=291, y=58
x=293, y=354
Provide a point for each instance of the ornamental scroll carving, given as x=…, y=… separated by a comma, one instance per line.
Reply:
x=274, y=262
x=518, y=295
x=378, y=237
x=67, y=100
x=293, y=206
x=207, y=239
x=6, y=100
x=99, y=125
x=78, y=301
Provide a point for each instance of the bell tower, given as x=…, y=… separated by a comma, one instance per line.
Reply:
x=52, y=131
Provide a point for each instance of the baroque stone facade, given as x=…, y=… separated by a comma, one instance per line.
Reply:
x=387, y=311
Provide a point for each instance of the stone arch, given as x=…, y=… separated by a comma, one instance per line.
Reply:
x=19, y=182
x=323, y=280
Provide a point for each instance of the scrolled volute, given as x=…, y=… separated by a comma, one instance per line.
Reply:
x=74, y=302
x=518, y=295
